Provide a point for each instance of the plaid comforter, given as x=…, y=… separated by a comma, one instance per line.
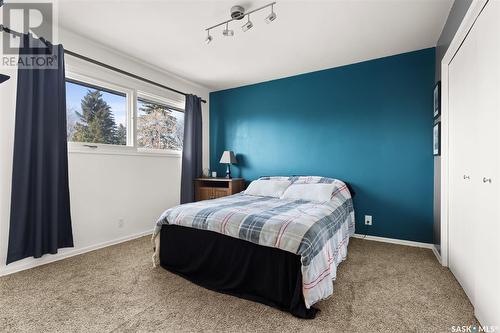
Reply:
x=317, y=232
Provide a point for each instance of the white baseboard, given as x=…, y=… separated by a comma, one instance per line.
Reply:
x=395, y=241
x=66, y=253
x=436, y=253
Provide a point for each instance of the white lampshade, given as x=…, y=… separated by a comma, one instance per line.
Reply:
x=228, y=157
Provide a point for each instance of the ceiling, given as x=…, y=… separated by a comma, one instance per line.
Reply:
x=307, y=35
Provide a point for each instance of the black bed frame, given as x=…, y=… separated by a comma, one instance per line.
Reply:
x=232, y=266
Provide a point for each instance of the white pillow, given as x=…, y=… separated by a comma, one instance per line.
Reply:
x=309, y=192
x=267, y=188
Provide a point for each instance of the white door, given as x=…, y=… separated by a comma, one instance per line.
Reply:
x=487, y=221
x=463, y=156
x=474, y=147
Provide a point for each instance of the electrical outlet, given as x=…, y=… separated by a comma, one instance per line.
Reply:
x=368, y=220
x=121, y=223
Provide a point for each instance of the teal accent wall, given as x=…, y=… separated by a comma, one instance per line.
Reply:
x=369, y=124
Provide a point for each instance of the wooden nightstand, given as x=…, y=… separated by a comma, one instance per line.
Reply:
x=212, y=188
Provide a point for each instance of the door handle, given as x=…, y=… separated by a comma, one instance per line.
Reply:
x=466, y=177
x=486, y=180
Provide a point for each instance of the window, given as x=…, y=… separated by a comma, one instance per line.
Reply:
x=159, y=126
x=109, y=118
x=95, y=114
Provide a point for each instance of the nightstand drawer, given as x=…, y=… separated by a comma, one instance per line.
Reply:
x=204, y=193
x=212, y=188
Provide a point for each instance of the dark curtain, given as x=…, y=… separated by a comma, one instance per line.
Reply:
x=40, y=220
x=192, y=149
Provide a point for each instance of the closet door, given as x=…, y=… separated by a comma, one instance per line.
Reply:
x=487, y=221
x=463, y=157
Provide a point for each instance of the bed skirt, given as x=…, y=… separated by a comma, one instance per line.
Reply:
x=235, y=267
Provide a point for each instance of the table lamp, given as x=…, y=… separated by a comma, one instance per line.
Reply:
x=228, y=158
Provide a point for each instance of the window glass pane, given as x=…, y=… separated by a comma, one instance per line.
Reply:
x=159, y=126
x=95, y=115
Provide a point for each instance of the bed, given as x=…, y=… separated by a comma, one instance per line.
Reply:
x=278, y=249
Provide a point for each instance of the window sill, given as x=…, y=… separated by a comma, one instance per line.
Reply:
x=75, y=148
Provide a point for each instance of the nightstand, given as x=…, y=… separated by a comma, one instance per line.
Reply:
x=212, y=188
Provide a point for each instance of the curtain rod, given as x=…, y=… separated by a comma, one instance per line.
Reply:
x=93, y=61
x=121, y=71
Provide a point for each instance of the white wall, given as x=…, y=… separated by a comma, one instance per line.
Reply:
x=104, y=188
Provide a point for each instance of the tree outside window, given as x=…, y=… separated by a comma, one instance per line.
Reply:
x=159, y=126
x=95, y=116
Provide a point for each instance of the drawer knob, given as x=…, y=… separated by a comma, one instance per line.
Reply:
x=466, y=177
x=486, y=180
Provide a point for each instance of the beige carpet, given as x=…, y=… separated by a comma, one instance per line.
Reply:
x=380, y=288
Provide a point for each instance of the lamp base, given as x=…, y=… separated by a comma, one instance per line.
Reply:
x=228, y=171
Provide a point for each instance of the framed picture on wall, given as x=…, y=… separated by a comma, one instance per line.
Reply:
x=437, y=99
x=436, y=139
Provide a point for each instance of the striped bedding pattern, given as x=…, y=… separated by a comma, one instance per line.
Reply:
x=317, y=232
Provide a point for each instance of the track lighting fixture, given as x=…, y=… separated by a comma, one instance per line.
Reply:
x=247, y=26
x=209, y=38
x=226, y=32
x=271, y=17
x=238, y=13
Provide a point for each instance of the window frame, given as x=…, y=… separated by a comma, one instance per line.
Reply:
x=132, y=95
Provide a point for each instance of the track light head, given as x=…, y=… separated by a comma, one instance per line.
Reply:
x=226, y=32
x=209, y=38
x=271, y=17
x=247, y=26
